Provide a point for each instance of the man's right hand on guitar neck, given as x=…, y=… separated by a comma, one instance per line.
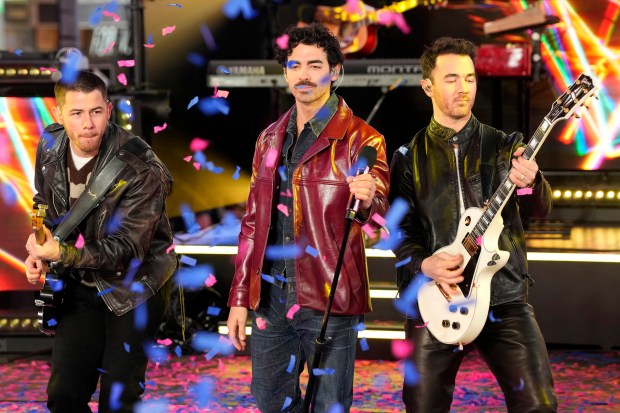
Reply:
x=445, y=270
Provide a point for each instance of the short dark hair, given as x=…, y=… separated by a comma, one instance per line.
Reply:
x=442, y=46
x=312, y=34
x=85, y=82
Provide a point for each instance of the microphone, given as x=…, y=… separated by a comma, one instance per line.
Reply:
x=365, y=161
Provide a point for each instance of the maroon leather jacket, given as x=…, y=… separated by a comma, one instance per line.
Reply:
x=321, y=196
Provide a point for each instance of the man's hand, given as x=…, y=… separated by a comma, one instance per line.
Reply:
x=49, y=251
x=363, y=187
x=444, y=269
x=35, y=269
x=523, y=171
x=236, y=326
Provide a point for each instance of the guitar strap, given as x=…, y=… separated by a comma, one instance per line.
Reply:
x=487, y=160
x=98, y=187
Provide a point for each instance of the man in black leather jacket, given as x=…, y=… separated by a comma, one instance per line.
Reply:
x=439, y=175
x=117, y=284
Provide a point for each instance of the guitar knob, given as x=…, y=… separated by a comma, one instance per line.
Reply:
x=464, y=310
x=452, y=308
x=495, y=257
x=445, y=323
x=456, y=325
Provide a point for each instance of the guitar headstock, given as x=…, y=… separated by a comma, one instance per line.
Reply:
x=36, y=218
x=575, y=97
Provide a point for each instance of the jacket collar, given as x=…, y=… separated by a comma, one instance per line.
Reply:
x=438, y=131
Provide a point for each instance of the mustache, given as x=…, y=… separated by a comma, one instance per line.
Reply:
x=305, y=83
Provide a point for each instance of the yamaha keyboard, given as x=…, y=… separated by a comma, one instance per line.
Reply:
x=357, y=73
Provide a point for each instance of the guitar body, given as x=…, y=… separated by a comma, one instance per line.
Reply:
x=460, y=320
x=50, y=298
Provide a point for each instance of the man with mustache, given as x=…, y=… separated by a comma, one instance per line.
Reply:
x=440, y=173
x=293, y=228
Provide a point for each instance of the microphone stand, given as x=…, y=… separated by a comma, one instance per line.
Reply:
x=321, y=340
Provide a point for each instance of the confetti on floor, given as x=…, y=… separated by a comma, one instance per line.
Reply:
x=586, y=381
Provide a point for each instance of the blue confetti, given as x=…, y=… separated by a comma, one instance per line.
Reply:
x=201, y=158
x=282, y=172
x=18, y=52
x=115, y=394
x=207, y=36
x=193, y=277
x=204, y=340
x=223, y=69
x=291, y=364
x=102, y=371
x=178, y=351
x=312, y=251
x=174, y=5
x=127, y=347
x=70, y=67
x=134, y=265
x=493, y=319
x=212, y=353
x=236, y=174
x=215, y=311
x=214, y=169
x=521, y=385
x=114, y=223
x=141, y=317
x=323, y=113
x=364, y=344
x=403, y=262
x=184, y=259
x=124, y=106
x=196, y=59
x=291, y=63
x=274, y=252
x=412, y=377
x=213, y=106
x=96, y=16
x=151, y=406
x=203, y=392
x=52, y=322
x=268, y=278
x=156, y=353
x=287, y=403
x=106, y=291
x=336, y=408
x=233, y=8
x=189, y=217
x=406, y=303
x=56, y=285
x=150, y=39
x=359, y=327
x=192, y=102
x=136, y=287
x=281, y=278
x=46, y=141
x=8, y=193
x=323, y=372
x=394, y=216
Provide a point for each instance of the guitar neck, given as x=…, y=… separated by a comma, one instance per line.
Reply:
x=504, y=191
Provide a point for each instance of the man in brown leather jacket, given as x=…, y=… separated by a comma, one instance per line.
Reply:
x=116, y=284
x=293, y=228
x=439, y=174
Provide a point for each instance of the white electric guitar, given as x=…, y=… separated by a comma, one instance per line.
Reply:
x=458, y=319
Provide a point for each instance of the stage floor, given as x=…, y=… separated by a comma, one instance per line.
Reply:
x=585, y=382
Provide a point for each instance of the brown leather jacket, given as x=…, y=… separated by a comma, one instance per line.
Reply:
x=137, y=203
x=321, y=196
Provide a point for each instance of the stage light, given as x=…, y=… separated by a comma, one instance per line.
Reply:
x=588, y=194
x=568, y=194
x=611, y=194
x=557, y=193
x=599, y=194
x=578, y=194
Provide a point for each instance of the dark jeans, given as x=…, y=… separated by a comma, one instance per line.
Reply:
x=274, y=347
x=512, y=347
x=92, y=342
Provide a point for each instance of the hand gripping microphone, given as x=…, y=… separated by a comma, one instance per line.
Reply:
x=365, y=161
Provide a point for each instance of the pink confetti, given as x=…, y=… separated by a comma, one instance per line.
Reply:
x=220, y=365
x=167, y=30
x=270, y=159
x=126, y=63
x=164, y=342
x=197, y=165
x=422, y=325
x=187, y=158
x=198, y=144
x=211, y=280
x=353, y=6
x=51, y=69
x=524, y=191
x=170, y=248
x=148, y=46
x=222, y=94
x=287, y=193
x=367, y=228
x=401, y=348
x=378, y=219
x=479, y=240
x=122, y=79
x=283, y=208
x=388, y=18
x=109, y=48
x=158, y=129
x=80, y=242
x=291, y=312
x=112, y=15
x=282, y=41
x=261, y=323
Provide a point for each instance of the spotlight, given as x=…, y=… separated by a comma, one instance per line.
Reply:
x=557, y=193
x=567, y=194
x=599, y=194
x=578, y=194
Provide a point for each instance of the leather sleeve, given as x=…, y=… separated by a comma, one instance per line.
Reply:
x=410, y=229
x=381, y=172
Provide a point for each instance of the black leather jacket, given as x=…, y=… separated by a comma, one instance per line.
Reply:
x=424, y=174
x=137, y=202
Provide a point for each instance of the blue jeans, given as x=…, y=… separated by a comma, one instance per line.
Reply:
x=273, y=349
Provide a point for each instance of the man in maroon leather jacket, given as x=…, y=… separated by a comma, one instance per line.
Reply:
x=293, y=228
